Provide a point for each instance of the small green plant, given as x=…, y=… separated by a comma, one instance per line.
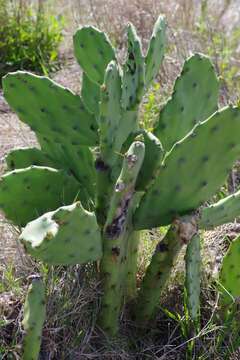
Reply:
x=29, y=37
x=99, y=179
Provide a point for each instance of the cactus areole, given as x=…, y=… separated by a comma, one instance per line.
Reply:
x=98, y=178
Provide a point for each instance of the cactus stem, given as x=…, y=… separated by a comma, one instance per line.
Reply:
x=116, y=233
x=131, y=270
x=161, y=265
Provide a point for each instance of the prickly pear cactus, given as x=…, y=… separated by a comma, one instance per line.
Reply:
x=192, y=280
x=229, y=276
x=98, y=177
x=33, y=319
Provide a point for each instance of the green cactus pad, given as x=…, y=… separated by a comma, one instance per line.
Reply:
x=155, y=50
x=202, y=161
x=127, y=126
x=93, y=52
x=50, y=110
x=90, y=93
x=194, y=99
x=110, y=113
x=224, y=211
x=67, y=236
x=75, y=159
x=34, y=314
x=229, y=276
x=192, y=280
x=27, y=193
x=152, y=158
x=133, y=71
x=157, y=274
x=25, y=157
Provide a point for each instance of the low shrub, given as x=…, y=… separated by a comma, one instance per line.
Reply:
x=29, y=37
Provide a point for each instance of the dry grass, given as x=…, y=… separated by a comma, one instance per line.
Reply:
x=73, y=294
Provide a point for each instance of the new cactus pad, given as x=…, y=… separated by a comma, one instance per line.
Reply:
x=192, y=280
x=98, y=178
x=34, y=314
x=229, y=276
x=133, y=72
x=155, y=50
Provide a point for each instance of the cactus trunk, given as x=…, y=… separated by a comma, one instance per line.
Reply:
x=113, y=268
x=33, y=319
x=132, y=265
x=116, y=234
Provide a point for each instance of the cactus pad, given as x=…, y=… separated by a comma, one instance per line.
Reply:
x=75, y=159
x=155, y=50
x=195, y=160
x=25, y=157
x=230, y=273
x=194, y=99
x=192, y=280
x=224, y=211
x=90, y=93
x=33, y=319
x=51, y=110
x=28, y=193
x=152, y=158
x=157, y=274
x=133, y=71
x=110, y=113
x=93, y=52
x=67, y=236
